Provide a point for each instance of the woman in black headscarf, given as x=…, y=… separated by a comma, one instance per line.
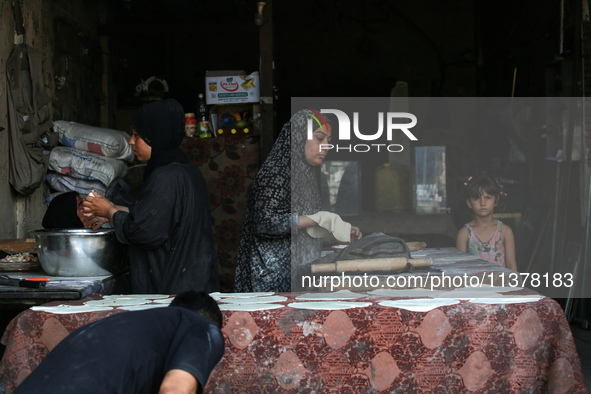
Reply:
x=281, y=200
x=169, y=227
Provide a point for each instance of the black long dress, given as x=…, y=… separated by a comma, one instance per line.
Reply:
x=168, y=230
x=169, y=233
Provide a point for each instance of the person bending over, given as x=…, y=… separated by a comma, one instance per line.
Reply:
x=160, y=350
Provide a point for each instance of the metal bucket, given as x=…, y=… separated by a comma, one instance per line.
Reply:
x=79, y=252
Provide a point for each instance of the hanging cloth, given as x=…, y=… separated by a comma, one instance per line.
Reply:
x=29, y=127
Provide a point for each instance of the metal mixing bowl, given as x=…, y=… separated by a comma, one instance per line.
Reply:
x=79, y=252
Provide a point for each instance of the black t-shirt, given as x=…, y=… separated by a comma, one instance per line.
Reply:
x=129, y=352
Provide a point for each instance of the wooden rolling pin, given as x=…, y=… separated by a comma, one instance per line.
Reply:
x=415, y=245
x=370, y=265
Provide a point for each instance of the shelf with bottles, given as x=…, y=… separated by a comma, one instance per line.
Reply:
x=228, y=120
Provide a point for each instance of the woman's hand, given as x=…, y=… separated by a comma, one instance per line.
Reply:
x=306, y=222
x=94, y=223
x=355, y=234
x=89, y=222
x=96, y=206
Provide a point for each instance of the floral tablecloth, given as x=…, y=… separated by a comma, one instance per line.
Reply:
x=356, y=342
x=229, y=165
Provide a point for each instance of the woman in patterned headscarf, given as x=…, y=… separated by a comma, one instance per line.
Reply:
x=284, y=192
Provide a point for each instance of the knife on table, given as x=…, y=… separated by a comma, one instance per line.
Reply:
x=32, y=283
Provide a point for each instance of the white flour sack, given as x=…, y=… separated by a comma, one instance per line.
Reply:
x=63, y=183
x=104, y=142
x=85, y=165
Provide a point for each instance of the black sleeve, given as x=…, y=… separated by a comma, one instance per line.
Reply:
x=196, y=348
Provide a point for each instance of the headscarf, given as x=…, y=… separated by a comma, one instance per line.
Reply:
x=286, y=168
x=161, y=124
x=305, y=195
x=62, y=212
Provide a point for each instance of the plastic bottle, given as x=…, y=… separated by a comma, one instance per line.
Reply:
x=392, y=188
x=203, y=118
x=401, y=193
x=384, y=188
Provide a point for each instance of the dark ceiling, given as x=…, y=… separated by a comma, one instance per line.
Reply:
x=197, y=13
x=346, y=47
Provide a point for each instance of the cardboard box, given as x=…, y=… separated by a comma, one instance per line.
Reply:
x=231, y=87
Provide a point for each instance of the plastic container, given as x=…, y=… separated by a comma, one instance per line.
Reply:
x=402, y=194
x=392, y=188
x=384, y=188
x=190, y=124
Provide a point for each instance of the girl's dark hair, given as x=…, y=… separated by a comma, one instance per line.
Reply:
x=482, y=183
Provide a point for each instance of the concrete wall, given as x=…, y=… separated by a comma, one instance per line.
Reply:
x=65, y=31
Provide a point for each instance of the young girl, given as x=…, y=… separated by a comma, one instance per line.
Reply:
x=486, y=237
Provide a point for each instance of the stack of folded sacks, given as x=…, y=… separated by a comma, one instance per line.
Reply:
x=89, y=158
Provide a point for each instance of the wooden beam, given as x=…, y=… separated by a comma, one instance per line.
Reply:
x=267, y=80
x=146, y=28
x=18, y=17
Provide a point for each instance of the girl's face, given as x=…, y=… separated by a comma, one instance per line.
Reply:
x=315, y=154
x=484, y=205
x=141, y=150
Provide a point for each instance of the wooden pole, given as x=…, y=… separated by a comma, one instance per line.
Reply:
x=18, y=17
x=514, y=79
x=267, y=80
